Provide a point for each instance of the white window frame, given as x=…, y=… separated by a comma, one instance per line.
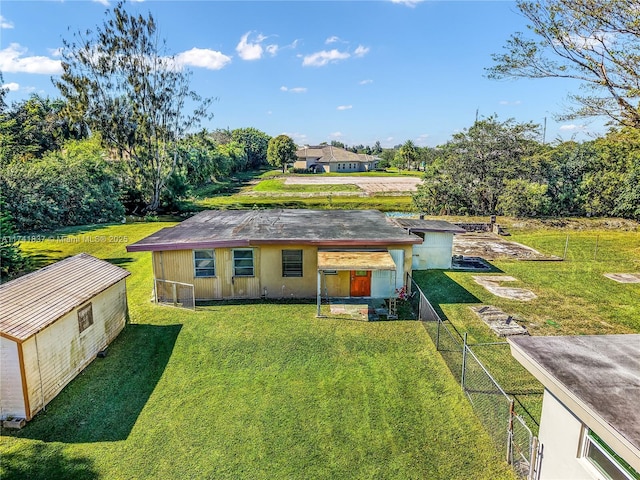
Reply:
x=597, y=469
x=196, y=268
x=235, y=266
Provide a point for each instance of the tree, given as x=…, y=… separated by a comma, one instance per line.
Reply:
x=281, y=151
x=594, y=41
x=469, y=172
x=121, y=82
x=11, y=258
x=406, y=155
x=255, y=145
x=521, y=198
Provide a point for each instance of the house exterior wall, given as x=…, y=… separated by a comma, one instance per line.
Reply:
x=54, y=356
x=434, y=252
x=178, y=266
x=11, y=392
x=560, y=434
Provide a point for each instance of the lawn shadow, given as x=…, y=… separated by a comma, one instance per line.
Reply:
x=440, y=289
x=44, y=461
x=103, y=403
x=120, y=261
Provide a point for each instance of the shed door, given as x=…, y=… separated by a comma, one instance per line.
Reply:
x=360, y=283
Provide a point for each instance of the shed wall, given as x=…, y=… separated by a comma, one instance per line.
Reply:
x=55, y=356
x=434, y=252
x=11, y=395
x=278, y=286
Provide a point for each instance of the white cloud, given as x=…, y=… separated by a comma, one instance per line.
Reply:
x=11, y=86
x=294, y=89
x=272, y=50
x=252, y=50
x=4, y=23
x=298, y=138
x=203, y=58
x=507, y=102
x=12, y=60
x=336, y=135
x=332, y=39
x=422, y=139
x=345, y=107
x=365, y=82
x=573, y=127
x=102, y=2
x=324, y=57
x=408, y=3
x=361, y=51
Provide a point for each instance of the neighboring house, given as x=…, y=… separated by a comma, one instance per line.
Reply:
x=283, y=253
x=53, y=323
x=590, y=424
x=436, y=249
x=326, y=158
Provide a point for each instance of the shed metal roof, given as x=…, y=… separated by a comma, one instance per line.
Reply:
x=238, y=228
x=424, y=225
x=595, y=376
x=34, y=301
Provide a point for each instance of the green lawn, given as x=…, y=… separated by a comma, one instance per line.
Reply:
x=249, y=390
x=574, y=298
x=277, y=185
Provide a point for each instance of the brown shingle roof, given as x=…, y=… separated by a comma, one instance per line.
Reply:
x=328, y=153
x=34, y=301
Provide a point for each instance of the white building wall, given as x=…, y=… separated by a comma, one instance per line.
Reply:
x=560, y=435
x=385, y=282
x=11, y=395
x=434, y=252
x=54, y=356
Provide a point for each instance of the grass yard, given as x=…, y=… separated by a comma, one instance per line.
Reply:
x=248, y=390
x=574, y=298
x=277, y=185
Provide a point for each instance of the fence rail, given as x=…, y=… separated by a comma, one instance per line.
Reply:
x=177, y=294
x=492, y=405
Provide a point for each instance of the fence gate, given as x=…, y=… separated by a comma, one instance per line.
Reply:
x=177, y=294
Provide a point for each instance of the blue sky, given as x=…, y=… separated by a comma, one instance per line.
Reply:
x=357, y=72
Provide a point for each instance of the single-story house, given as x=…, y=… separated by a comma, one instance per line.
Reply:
x=283, y=253
x=53, y=323
x=326, y=158
x=590, y=423
x=436, y=249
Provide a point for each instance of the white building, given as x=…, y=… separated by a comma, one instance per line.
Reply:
x=436, y=249
x=590, y=423
x=53, y=323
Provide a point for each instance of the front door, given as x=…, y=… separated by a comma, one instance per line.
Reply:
x=360, y=283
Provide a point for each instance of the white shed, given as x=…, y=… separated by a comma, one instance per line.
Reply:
x=53, y=323
x=436, y=249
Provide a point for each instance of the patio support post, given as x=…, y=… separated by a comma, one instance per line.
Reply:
x=319, y=292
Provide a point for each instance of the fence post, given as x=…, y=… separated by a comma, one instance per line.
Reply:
x=439, y=321
x=566, y=247
x=175, y=295
x=510, y=434
x=464, y=361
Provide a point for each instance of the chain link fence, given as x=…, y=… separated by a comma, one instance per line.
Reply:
x=493, y=406
x=176, y=294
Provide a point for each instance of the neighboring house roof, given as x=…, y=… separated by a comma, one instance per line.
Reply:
x=238, y=228
x=597, y=377
x=34, y=301
x=422, y=225
x=328, y=153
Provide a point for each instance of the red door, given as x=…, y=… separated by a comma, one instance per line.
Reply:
x=360, y=283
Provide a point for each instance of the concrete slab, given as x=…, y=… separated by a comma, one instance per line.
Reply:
x=493, y=247
x=624, y=277
x=501, y=323
x=492, y=284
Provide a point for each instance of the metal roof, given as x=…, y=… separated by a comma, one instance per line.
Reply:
x=422, y=225
x=243, y=228
x=34, y=301
x=355, y=260
x=597, y=377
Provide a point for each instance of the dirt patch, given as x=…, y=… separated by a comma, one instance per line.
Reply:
x=624, y=277
x=502, y=324
x=492, y=284
x=493, y=247
x=367, y=184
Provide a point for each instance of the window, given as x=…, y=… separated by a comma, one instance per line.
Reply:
x=85, y=317
x=605, y=460
x=204, y=262
x=291, y=263
x=243, y=262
